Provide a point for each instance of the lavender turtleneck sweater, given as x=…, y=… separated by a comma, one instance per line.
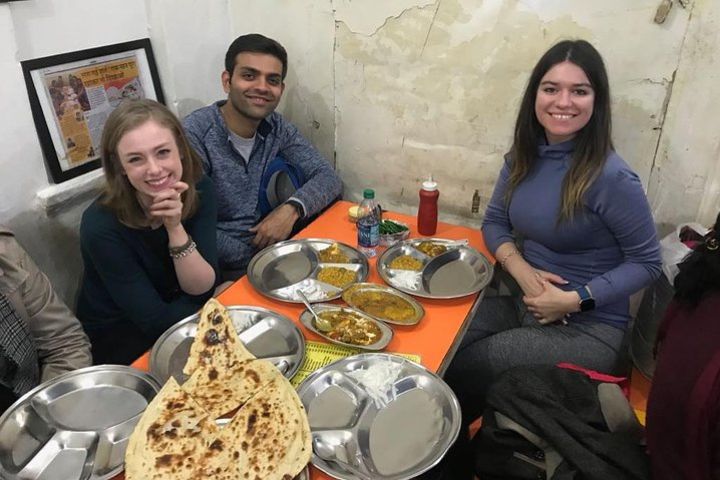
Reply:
x=611, y=246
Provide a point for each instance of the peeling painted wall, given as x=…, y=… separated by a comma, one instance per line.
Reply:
x=435, y=88
x=685, y=183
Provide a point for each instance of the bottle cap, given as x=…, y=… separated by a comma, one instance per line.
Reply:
x=368, y=193
x=429, y=184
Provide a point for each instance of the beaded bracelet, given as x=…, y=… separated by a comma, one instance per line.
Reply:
x=183, y=250
x=504, y=260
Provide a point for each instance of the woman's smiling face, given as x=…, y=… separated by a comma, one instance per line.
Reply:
x=150, y=159
x=564, y=101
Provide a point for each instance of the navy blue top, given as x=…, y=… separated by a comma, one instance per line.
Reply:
x=238, y=183
x=129, y=274
x=611, y=245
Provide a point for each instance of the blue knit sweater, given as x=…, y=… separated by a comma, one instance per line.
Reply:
x=611, y=246
x=238, y=184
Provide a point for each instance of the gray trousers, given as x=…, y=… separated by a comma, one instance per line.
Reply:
x=504, y=334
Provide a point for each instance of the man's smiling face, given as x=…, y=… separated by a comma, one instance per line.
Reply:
x=255, y=86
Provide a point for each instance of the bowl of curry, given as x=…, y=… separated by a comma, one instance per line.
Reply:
x=347, y=326
x=384, y=303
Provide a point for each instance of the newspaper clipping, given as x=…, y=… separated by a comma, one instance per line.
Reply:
x=82, y=99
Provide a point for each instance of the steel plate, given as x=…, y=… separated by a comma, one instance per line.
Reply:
x=350, y=295
x=304, y=475
x=307, y=319
x=281, y=269
x=266, y=334
x=397, y=437
x=460, y=271
x=75, y=426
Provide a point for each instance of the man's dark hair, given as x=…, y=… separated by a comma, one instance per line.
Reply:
x=255, y=43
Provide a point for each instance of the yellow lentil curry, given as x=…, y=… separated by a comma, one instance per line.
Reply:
x=431, y=249
x=406, y=262
x=336, y=276
x=384, y=305
x=333, y=254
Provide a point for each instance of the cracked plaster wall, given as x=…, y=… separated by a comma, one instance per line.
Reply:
x=435, y=88
x=685, y=183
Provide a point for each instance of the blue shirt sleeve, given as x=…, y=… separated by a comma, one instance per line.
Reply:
x=194, y=132
x=322, y=184
x=620, y=201
x=496, y=226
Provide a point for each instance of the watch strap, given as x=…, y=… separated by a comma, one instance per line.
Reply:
x=297, y=206
x=587, y=302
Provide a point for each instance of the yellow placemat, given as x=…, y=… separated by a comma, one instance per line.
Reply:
x=318, y=354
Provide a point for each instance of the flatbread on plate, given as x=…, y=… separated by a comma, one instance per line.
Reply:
x=267, y=439
x=216, y=342
x=171, y=437
x=221, y=391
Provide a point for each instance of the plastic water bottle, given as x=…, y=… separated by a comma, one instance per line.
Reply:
x=368, y=224
x=428, y=211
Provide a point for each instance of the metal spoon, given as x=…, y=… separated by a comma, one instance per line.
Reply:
x=458, y=243
x=338, y=453
x=322, y=324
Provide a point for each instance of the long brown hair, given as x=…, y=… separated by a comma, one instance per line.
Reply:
x=592, y=143
x=119, y=195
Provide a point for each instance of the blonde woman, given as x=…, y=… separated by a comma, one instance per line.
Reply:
x=148, y=243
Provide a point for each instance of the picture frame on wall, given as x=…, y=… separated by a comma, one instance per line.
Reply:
x=72, y=94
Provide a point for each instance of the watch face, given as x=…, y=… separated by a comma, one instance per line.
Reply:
x=587, y=305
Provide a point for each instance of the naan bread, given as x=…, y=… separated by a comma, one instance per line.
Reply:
x=216, y=342
x=177, y=438
x=171, y=437
x=221, y=391
x=267, y=439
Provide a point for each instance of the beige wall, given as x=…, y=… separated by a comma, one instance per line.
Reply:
x=435, y=88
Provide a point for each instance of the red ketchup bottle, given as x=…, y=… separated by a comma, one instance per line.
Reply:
x=428, y=211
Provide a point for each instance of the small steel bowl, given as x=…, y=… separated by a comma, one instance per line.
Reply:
x=391, y=239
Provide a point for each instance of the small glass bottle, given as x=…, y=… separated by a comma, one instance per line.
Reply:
x=368, y=224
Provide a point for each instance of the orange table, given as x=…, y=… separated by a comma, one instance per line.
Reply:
x=435, y=338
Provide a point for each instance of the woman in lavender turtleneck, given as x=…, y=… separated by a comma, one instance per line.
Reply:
x=570, y=225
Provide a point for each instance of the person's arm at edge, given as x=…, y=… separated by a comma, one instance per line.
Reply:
x=61, y=342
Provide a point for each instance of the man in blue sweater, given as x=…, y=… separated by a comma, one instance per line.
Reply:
x=267, y=175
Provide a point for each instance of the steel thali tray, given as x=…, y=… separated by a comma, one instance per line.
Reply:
x=266, y=334
x=461, y=270
x=396, y=433
x=75, y=426
x=281, y=269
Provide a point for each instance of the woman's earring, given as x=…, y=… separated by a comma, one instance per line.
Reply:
x=712, y=244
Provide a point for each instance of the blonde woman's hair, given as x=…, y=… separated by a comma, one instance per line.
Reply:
x=118, y=194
